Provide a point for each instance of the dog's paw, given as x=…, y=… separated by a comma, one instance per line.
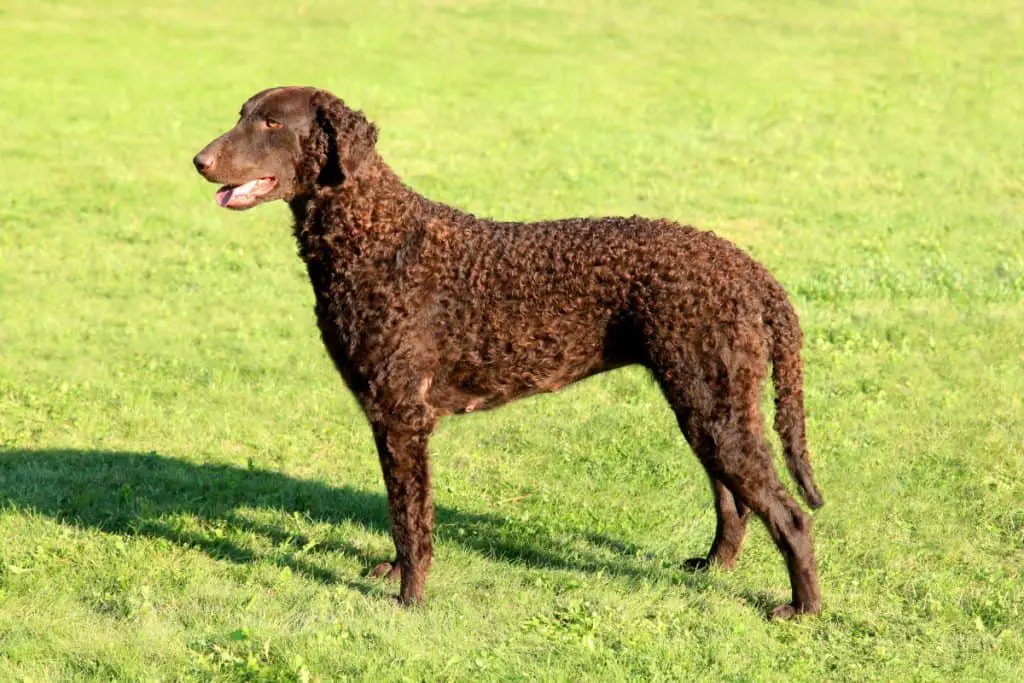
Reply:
x=409, y=602
x=386, y=570
x=788, y=611
x=697, y=564
x=782, y=612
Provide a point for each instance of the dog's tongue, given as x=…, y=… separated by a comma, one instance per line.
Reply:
x=237, y=192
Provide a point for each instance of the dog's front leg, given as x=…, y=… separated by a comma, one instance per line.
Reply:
x=404, y=461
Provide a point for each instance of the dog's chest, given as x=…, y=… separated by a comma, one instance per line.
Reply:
x=364, y=300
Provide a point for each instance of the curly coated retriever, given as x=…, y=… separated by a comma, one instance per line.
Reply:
x=429, y=311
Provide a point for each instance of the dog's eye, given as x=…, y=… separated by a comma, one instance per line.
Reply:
x=271, y=123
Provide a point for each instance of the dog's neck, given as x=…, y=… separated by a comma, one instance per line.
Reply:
x=370, y=204
x=369, y=213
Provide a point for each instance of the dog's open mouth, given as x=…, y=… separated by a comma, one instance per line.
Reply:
x=247, y=195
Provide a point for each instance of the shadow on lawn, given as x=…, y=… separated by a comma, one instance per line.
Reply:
x=145, y=494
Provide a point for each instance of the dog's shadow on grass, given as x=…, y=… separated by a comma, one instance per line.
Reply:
x=149, y=495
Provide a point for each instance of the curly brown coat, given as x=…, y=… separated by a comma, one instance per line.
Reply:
x=430, y=311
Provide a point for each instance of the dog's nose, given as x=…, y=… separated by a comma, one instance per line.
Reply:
x=203, y=162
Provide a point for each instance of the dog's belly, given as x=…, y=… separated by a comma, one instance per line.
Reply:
x=464, y=389
x=516, y=362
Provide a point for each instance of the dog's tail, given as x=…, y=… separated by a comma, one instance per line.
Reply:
x=787, y=375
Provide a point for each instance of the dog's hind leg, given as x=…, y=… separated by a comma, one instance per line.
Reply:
x=718, y=408
x=742, y=460
x=732, y=515
x=747, y=469
x=730, y=530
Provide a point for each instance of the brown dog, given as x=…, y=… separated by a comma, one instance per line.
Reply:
x=429, y=311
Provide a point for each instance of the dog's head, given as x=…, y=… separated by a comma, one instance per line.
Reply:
x=287, y=143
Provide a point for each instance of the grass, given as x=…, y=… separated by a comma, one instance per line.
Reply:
x=188, y=493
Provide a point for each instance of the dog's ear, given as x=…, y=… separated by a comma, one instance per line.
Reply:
x=346, y=138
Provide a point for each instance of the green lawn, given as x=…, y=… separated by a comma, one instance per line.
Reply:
x=187, y=491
